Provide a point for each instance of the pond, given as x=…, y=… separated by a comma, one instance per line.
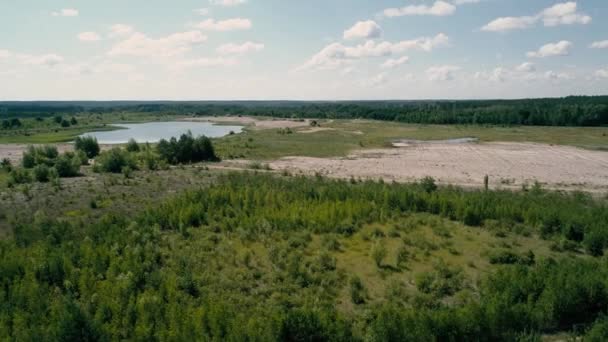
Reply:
x=156, y=131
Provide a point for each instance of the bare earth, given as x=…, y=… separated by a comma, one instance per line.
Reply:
x=255, y=123
x=509, y=165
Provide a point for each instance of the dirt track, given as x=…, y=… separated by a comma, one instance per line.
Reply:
x=509, y=165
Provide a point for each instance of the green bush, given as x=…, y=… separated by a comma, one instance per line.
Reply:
x=19, y=176
x=378, y=253
x=114, y=161
x=41, y=173
x=357, y=290
x=187, y=150
x=132, y=146
x=88, y=145
x=68, y=165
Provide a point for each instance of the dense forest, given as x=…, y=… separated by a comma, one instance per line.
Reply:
x=569, y=111
x=229, y=262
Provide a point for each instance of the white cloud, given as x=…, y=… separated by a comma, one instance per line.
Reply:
x=205, y=62
x=363, y=30
x=441, y=73
x=119, y=30
x=439, y=8
x=599, y=45
x=66, y=12
x=561, y=48
x=499, y=74
x=526, y=67
x=602, y=73
x=564, y=14
x=5, y=54
x=227, y=3
x=228, y=49
x=336, y=54
x=555, y=76
x=465, y=2
x=393, y=63
x=202, y=11
x=89, y=37
x=138, y=44
x=224, y=25
x=559, y=14
x=49, y=60
x=376, y=81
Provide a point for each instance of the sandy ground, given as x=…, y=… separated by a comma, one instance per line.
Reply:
x=509, y=165
x=255, y=123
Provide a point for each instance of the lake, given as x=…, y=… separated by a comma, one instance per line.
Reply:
x=156, y=131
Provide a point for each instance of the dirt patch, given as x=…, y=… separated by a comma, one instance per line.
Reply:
x=255, y=123
x=317, y=129
x=509, y=165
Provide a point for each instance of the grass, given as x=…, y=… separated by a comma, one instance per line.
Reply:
x=347, y=135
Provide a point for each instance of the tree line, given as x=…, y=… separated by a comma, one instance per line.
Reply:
x=568, y=111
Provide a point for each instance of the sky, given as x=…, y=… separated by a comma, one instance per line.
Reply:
x=301, y=50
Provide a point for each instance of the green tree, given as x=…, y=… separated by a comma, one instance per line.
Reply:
x=88, y=145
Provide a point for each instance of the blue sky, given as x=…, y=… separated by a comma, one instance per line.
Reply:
x=305, y=50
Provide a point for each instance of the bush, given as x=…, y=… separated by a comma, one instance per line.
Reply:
x=19, y=176
x=428, y=184
x=67, y=165
x=6, y=164
x=132, y=146
x=357, y=290
x=41, y=173
x=187, y=149
x=114, y=161
x=378, y=253
x=39, y=155
x=65, y=123
x=88, y=145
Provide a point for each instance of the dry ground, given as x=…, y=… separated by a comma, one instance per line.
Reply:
x=508, y=165
x=254, y=123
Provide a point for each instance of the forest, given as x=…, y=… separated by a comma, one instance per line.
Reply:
x=568, y=111
x=260, y=257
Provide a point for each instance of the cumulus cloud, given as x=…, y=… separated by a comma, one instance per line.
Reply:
x=559, y=14
x=601, y=73
x=441, y=73
x=66, y=12
x=89, y=37
x=119, y=30
x=227, y=3
x=392, y=63
x=205, y=62
x=599, y=45
x=526, y=67
x=363, y=30
x=556, y=76
x=224, y=25
x=138, y=44
x=561, y=48
x=239, y=49
x=438, y=8
x=499, y=74
x=202, y=11
x=49, y=60
x=376, y=81
x=336, y=54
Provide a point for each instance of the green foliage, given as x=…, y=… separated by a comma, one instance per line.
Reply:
x=68, y=165
x=357, y=290
x=41, y=173
x=19, y=176
x=114, y=161
x=88, y=145
x=132, y=146
x=428, y=184
x=187, y=150
x=378, y=253
x=39, y=155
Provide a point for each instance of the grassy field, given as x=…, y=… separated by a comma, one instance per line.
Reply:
x=338, y=138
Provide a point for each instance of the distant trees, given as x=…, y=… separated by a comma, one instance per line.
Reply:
x=12, y=123
x=187, y=149
x=88, y=145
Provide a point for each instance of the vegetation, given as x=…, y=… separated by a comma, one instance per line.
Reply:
x=88, y=145
x=260, y=257
x=187, y=150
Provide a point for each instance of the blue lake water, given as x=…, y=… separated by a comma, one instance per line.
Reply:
x=155, y=131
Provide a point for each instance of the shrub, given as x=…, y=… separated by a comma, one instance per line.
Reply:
x=67, y=165
x=428, y=184
x=6, y=164
x=88, y=145
x=65, y=123
x=114, y=160
x=378, y=253
x=19, y=176
x=41, y=173
x=39, y=155
x=187, y=149
x=357, y=290
x=132, y=146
